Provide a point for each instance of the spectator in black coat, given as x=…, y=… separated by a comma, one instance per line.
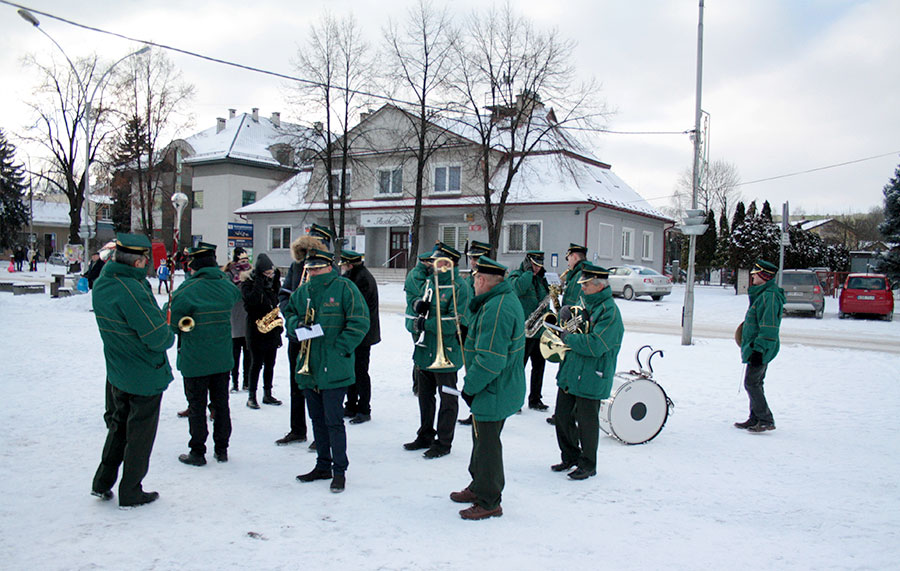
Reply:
x=93, y=271
x=359, y=394
x=260, y=293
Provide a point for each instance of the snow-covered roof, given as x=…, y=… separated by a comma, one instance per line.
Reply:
x=244, y=138
x=810, y=224
x=50, y=213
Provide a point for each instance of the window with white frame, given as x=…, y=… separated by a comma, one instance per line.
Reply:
x=628, y=243
x=198, y=200
x=336, y=183
x=447, y=179
x=389, y=181
x=279, y=237
x=522, y=236
x=647, y=246
x=605, y=247
x=455, y=235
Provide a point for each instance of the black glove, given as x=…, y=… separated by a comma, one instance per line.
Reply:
x=562, y=335
x=756, y=359
x=565, y=314
x=419, y=324
x=468, y=398
x=421, y=306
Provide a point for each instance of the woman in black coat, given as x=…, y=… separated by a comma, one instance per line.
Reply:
x=260, y=292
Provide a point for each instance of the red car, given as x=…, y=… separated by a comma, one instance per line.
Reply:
x=869, y=294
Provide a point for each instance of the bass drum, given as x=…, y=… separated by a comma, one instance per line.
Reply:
x=636, y=410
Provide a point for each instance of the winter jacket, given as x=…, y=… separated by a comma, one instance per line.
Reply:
x=133, y=329
x=762, y=321
x=572, y=293
x=529, y=288
x=365, y=282
x=234, y=271
x=93, y=272
x=260, y=294
x=495, y=346
x=207, y=296
x=424, y=356
x=342, y=312
x=588, y=369
x=414, y=286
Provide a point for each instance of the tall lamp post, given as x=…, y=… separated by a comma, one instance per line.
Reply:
x=88, y=102
x=179, y=201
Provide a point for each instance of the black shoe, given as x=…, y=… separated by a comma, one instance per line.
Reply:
x=581, y=474
x=145, y=498
x=316, y=474
x=360, y=418
x=562, y=466
x=105, y=495
x=251, y=403
x=466, y=421
x=221, y=456
x=245, y=387
x=312, y=446
x=436, y=451
x=183, y=413
x=762, y=427
x=289, y=438
x=538, y=405
x=349, y=412
x=235, y=388
x=418, y=444
x=338, y=483
x=192, y=459
x=551, y=420
x=269, y=399
x=746, y=424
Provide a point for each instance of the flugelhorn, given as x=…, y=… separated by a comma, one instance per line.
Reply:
x=186, y=323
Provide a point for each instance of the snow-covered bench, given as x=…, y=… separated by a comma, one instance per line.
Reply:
x=27, y=288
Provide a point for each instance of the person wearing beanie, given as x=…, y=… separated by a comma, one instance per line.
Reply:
x=238, y=270
x=359, y=394
x=759, y=342
x=260, y=294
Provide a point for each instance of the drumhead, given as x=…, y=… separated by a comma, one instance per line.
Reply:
x=638, y=411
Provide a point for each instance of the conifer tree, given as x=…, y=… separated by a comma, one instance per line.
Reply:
x=767, y=211
x=890, y=228
x=13, y=212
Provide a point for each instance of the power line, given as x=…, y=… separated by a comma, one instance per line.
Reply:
x=817, y=169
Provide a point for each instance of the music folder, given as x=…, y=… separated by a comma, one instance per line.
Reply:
x=308, y=332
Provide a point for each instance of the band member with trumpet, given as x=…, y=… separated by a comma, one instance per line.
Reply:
x=135, y=339
x=359, y=394
x=494, y=386
x=264, y=327
x=530, y=285
x=759, y=342
x=434, y=321
x=336, y=319
x=317, y=239
x=201, y=316
x=575, y=258
x=586, y=373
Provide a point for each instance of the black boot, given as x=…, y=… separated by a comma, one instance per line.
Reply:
x=269, y=399
x=251, y=401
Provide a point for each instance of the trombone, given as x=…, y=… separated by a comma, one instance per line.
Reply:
x=443, y=265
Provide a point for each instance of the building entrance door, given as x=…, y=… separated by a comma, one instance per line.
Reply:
x=399, y=248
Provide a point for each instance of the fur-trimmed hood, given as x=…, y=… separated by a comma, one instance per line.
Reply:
x=304, y=244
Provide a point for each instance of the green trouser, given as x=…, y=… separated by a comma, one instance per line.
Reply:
x=486, y=463
x=131, y=421
x=577, y=429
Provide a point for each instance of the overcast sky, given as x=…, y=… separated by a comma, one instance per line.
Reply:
x=789, y=85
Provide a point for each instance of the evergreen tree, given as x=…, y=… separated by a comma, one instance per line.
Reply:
x=722, y=256
x=706, y=242
x=751, y=210
x=767, y=211
x=755, y=238
x=13, y=212
x=739, y=216
x=890, y=228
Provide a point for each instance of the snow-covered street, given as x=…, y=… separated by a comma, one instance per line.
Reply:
x=821, y=491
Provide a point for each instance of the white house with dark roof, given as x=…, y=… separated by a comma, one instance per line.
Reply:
x=561, y=194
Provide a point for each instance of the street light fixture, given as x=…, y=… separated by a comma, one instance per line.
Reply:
x=88, y=102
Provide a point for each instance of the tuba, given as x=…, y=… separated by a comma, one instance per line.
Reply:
x=269, y=321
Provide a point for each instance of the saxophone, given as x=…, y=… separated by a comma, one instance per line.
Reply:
x=269, y=321
x=540, y=315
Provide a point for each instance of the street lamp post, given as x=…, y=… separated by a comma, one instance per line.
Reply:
x=88, y=102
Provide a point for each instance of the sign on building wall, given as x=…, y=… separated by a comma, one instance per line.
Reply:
x=240, y=235
x=384, y=220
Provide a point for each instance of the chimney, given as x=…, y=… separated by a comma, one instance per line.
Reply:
x=317, y=126
x=220, y=124
x=231, y=113
x=276, y=118
x=255, y=114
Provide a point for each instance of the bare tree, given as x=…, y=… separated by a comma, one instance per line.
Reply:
x=509, y=67
x=718, y=192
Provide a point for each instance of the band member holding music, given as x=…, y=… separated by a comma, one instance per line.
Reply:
x=336, y=319
x=260, y=292
x=135, y=338
x=575, y=258
x=359, y=394
x=530, y=285
x=759, y=342
x=586, y=373
x=200, y=313
x=434, y=321
x=494, y=386
x=413, y=288
x=316, y=239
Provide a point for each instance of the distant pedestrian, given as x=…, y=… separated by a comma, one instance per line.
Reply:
x=238, y=270
x=93, y=271
x=162, y=274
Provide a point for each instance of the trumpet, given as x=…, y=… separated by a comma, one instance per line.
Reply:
x=269, y=321
x=306, y=344
x=186, y=324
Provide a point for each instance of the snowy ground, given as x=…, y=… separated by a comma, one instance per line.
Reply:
x=819, y=492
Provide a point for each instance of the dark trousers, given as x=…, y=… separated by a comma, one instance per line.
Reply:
x=359, y=394
x=131, y=421
x=161, y=284
x=577, y=429
x=486, y=463
x=298, y=401
x=753, y=384
x=238, y=346
x=326, y=411
x=533, y=352
x=429, y=384
x=262, y=358
x=215, y=388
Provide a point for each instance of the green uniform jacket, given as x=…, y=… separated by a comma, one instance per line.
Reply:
x=588, y=369
x=424, y=356
x=762, y=321
x=207, y=296
x=466, y=283
x=342, y=312
x=572, y=293
x=495, y=347
x=530, y=289
x=414, y=286
x=133, y=329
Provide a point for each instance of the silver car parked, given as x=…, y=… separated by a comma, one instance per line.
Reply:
x=632, y=281
x=803, y=292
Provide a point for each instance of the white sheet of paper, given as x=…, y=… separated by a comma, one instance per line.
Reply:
x=304, y=333
x=450, y=391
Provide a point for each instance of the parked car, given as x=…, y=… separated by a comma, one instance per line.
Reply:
x=868, y=294
x=632, y=281
x=57, y=259
x=803, y=292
